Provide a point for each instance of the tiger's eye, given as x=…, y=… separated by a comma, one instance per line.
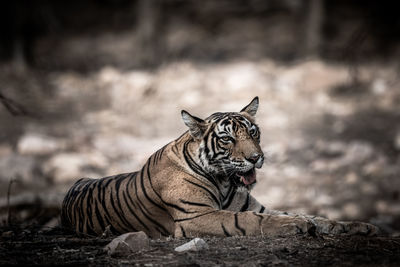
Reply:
x=226, y=138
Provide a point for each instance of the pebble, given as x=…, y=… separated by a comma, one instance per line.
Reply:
x=128, y=243
x=196, y=244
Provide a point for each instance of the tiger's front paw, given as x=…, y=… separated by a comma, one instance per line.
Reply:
x=286, y=226
x=325, y=226
x=360, y=228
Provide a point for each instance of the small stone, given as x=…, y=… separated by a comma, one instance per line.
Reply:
x=196, y=244
x=107, y=232
x=128, y=243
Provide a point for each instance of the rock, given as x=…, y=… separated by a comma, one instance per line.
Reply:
x=107, y=232
x=127, y=243
x=37, y=144
x=196, y=244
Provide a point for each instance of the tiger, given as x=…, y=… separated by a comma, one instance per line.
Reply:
x=196, y=185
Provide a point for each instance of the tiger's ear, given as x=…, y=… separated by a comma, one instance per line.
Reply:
x=197, y=126
x=251, y=108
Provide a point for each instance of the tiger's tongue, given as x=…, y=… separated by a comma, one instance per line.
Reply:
x=249, y=177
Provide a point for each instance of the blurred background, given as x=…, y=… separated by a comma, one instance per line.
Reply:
x=93, y=88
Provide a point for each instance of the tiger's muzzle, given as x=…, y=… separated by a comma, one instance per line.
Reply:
x=248, y=178
x=256, y=159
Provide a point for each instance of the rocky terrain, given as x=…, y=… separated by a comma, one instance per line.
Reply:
x=55, y=247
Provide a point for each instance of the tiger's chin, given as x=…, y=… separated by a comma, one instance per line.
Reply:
x=246, y=180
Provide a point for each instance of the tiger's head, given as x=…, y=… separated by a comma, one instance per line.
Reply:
x=228, y=143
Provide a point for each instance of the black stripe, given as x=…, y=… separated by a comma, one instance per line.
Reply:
x=164, y=202
x=205, y=189
x=178, y=208
x=191, y=218
x=131, y=211
x=73, y=196
x=175, y=150
x=90, y=207
x=79, y=205
x=122, y=222
x=161, y=152
x=107, y=215
x=154, y=156
x=213, y=141
x=194, y=203
x=194, y=166
x=108, y=180
x=163, y=231
x=133, y=204
x=234, y=127
x=90, y=231
x=144, y=189
x=98, y=216
x=140, y=205
x=99, y=201
x=261, y=218
x=231, y=188
x=246, y=204
x=230, y=199
x=237, y=225
x=225, y=122
x=262, y=209
x=225, y=231
x=120, y=179
x=183, y=231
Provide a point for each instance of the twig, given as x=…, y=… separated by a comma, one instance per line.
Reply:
x=13, y=107
x=8, y=201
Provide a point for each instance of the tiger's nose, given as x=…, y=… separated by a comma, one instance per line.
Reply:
x=257, y=159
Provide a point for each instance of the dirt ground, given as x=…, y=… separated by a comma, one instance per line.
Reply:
x=31, y=246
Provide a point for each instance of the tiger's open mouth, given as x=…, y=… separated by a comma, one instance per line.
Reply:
x=247, y=178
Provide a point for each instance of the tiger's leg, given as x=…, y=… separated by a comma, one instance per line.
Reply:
x=326, y=226
x=229, y=223
x=243, y=201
